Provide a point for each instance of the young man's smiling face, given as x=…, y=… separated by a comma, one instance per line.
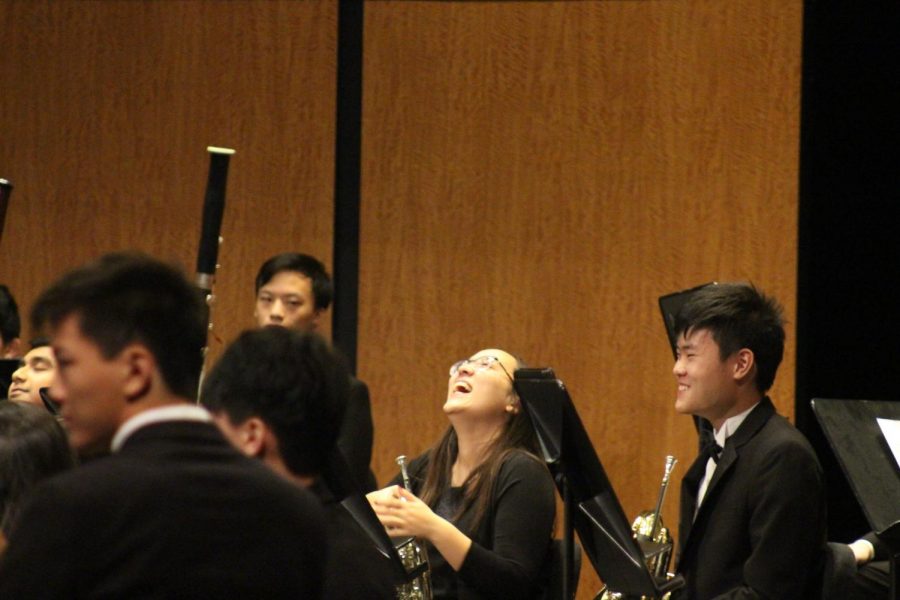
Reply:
x=706, y=383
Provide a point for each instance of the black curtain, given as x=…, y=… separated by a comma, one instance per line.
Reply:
x=848, y=310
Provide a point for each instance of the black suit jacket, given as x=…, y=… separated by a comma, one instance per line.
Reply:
x=355, y=437
x=176, y=513
x=760, y=530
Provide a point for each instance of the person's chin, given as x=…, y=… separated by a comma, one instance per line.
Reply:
x=87, y=446
x=682, y=406
x=452, y=405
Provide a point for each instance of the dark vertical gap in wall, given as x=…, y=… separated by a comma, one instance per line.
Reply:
x=848, y=312
x=348, y=140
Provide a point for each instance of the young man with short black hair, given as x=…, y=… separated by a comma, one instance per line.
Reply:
x=279, y=395
x=294, y=290
x=752, y=504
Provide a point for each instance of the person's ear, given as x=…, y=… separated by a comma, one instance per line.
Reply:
x=252, y=437
x=316, y=320
x=743, y=364
x=138, y=368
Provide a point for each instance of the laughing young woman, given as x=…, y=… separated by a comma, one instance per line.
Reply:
x=481, y=497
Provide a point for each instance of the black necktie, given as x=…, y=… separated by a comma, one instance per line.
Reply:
x=708, y=445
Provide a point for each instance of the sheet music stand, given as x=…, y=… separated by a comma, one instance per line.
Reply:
x=669, y=305
x=347, y=491
x=590, y=504
x=862, y=451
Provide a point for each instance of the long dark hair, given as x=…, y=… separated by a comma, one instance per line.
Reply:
x=33, y=446
x=517, y=436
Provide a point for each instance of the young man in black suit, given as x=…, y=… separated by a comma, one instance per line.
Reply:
x=173, y=511
x=279, y=395
x=294, y=290
x=752, y=504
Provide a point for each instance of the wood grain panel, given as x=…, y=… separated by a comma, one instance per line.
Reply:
x=107, y=109
x=536, y=174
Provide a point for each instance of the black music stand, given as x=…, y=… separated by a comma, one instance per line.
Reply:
x=604, y=531
x=863, y=453
x=346, y=490
x=669, y=305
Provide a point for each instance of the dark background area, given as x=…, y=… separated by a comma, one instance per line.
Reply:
x=848, y=306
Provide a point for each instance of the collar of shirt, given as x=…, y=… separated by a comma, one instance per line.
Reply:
x=174, y=412
x=731, y=425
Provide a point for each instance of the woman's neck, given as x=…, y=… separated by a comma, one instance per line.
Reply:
x=472, y=448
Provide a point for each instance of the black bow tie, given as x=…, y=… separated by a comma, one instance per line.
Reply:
x=708, y=445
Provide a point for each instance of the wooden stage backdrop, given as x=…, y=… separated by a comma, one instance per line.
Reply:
x=534, y=176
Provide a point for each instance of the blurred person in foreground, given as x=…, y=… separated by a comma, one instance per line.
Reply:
x=279, y=395
x=173, y=510
x=33, y=446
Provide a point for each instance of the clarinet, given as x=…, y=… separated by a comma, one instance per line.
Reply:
x=5, y=191
x=208, y=253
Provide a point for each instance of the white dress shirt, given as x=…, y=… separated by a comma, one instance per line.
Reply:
x=724, y=432
x=173, y=412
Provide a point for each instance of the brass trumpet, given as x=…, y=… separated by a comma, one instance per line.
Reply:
x=414, y=558
x=648, y=526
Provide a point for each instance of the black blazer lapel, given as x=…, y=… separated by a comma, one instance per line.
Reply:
x=750, y=427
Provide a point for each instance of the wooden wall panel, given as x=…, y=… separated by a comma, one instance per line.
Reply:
x=106, y=112
x=536, y=174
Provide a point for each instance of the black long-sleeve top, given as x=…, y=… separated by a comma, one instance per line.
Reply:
x=510, y=549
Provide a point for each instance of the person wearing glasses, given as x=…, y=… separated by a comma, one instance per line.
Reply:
x=480, y=497
x=36, y=371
